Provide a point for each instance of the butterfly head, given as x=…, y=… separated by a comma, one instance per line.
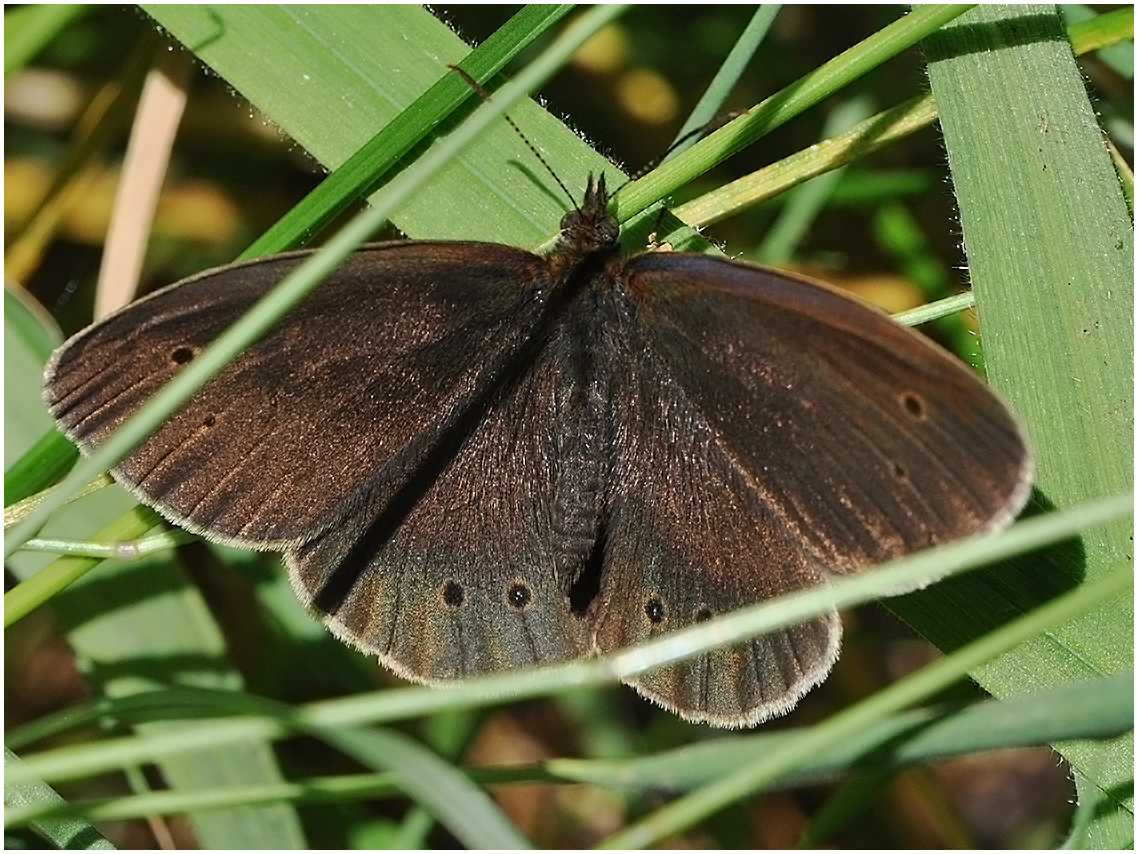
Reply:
x=590, y=228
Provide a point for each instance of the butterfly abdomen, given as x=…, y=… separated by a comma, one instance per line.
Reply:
x=583, y=438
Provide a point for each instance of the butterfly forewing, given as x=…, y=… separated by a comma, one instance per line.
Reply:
x=862, y=440
x=350, y=387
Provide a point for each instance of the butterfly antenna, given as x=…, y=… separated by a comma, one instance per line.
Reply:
x=684, y=140
x=477, y=87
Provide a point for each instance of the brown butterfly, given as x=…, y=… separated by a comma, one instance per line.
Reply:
x=476, y=458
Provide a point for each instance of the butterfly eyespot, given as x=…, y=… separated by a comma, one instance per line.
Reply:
x=519, y=595
x=703, y=614
x=914, y=405
x=655, y=611
x=453, y=594
x=182, y=355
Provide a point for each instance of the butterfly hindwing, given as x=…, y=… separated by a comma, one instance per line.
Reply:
x=686, y=538
x=456, y=573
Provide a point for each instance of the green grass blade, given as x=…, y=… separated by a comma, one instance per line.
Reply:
x=1099, y=709
x=715, y=96
x=29, y=29
x=806, y=201
x=495, y=190
x=140, y=625
x=874, y=133
x=466, y=810
x=29, y=338
x=1050, y=249
x=783, y=106
x=64, y=833
x=356, y=175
